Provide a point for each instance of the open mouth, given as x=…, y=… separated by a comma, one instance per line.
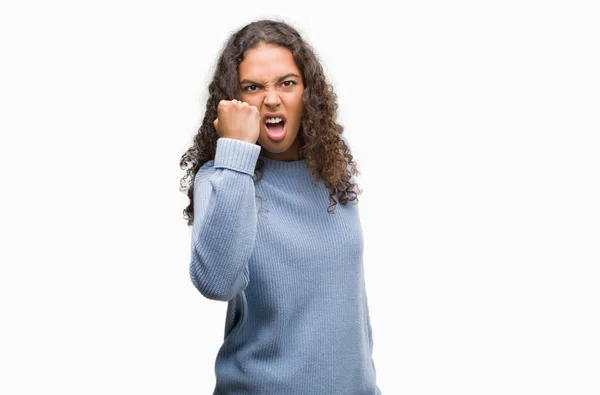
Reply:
x=276, y=130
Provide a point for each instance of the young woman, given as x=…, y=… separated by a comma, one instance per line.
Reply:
x=269, y=237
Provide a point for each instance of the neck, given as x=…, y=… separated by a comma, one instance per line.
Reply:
x=290, y=155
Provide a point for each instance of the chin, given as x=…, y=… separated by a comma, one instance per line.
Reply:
x=276, y=146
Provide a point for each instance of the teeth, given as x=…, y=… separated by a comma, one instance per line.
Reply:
x=273, y=120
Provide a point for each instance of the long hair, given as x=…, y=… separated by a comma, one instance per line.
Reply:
x=327, y=154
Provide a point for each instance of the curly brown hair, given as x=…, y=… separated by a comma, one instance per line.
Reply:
x=327, y=155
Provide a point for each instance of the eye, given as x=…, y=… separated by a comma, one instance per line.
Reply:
x=249, y=87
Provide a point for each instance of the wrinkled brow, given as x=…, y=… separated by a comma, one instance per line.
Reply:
x=247, y=81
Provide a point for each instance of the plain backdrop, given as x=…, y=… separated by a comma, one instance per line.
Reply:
x=475, y=126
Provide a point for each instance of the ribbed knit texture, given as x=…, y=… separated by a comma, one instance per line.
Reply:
x=297, y=320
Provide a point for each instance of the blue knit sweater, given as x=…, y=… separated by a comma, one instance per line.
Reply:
x=297, y=320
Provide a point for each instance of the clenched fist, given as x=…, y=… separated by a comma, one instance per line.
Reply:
x=238, y=120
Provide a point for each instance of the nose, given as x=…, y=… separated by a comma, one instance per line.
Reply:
x=272, y=98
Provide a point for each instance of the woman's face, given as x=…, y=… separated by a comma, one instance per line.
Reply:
x=271, y=82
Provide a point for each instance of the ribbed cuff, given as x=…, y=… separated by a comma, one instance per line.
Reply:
x=236, y=155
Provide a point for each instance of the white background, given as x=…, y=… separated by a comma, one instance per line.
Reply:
x=475, y=126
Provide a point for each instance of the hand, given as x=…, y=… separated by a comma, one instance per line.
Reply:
x=238, y=120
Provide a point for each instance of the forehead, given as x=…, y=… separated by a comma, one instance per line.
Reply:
x=267, y=61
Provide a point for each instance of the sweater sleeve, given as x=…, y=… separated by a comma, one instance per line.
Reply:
x=225, y=220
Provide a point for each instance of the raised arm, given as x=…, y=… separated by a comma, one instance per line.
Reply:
x=225, y=220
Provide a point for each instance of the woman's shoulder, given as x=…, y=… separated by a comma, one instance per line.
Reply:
x=205, y=171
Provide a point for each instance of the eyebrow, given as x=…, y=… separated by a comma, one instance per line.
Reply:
x=278, y=79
